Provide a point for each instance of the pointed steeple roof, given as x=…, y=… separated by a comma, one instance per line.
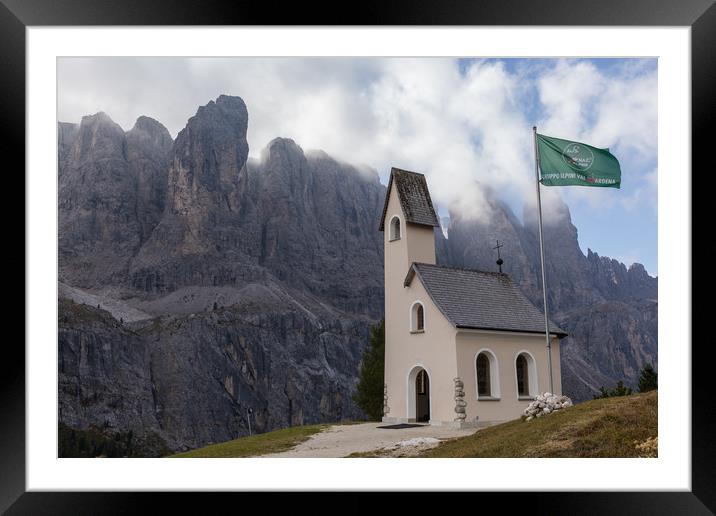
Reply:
x=414, y=198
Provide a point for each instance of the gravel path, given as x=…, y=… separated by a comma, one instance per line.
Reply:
x=342, y=440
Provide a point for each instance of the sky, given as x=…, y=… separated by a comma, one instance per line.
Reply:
x=465, y=123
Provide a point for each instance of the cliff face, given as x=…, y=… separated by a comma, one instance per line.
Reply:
x=179, y=382
x=608, y=342
x=196, y=283
x=221, y=284
x=148, y=146
x=307, y=221
x=111, y=188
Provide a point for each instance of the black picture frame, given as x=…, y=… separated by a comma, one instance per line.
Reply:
x=16, y=15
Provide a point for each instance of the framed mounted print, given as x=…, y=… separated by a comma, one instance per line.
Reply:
x=290, y=258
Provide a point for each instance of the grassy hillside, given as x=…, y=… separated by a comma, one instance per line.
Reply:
x=259, y=444
x=609, y=427
x=624, y=426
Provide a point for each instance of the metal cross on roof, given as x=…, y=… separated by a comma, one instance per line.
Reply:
x=499, y=259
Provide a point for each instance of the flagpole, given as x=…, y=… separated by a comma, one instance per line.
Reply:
x=541, y=253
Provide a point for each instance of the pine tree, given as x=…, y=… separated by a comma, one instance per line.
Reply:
x=603, y=393
x=647, y=379
x=369, y=395
x=618, y=390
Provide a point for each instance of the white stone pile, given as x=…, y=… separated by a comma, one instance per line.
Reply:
x=544, y=404
x=410, y=447
x=417, y=441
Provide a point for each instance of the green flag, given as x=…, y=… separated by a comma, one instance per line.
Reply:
x=565, y=163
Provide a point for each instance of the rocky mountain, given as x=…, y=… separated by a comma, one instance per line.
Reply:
x=111, y=190
x=179, y=382
x=196, y=283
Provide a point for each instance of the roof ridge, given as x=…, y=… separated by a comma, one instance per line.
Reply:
x=406, y=171
x=466, y=269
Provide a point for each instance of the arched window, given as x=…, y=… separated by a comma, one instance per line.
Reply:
x=395, y=228
x=417, y=317
x=487, y=375
x=526, y=371
x=483, y=376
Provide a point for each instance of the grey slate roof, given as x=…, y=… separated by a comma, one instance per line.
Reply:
x=476, y=299
x=414, y=198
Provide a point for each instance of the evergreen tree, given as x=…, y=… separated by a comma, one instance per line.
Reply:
x=369, y=395
x=603, y=393
x=618, y=390
x=647, y=379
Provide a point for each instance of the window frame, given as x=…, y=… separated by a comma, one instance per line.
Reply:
x=391, y=228
x=532, y=376
x=494, y=372
x=413, y=316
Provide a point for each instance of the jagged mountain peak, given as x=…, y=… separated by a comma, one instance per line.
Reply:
x=150, y=136
x=637, y=268
x=281, y=145
x=225, y=106
x=222, y=123
x=208, y=155
x=149, y=125
x=98, y=137
x=231, y=101
x=555, y=212
x=100, y=117
x=283, y=154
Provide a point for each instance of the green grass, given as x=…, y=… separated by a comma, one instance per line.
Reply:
x=609, y=427
x=259, y=444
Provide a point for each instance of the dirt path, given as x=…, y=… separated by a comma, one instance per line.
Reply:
x=342, y=440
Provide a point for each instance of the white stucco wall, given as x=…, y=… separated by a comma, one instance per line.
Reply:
x=434, y=349
x=505, y=347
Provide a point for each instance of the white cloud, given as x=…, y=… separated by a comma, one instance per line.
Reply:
x=568, y=93
x=420, y=114
x=645, y=194
x=618, y=112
